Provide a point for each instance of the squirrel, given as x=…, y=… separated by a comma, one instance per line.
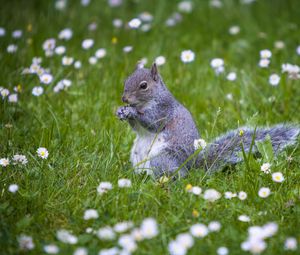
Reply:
x=165, y=131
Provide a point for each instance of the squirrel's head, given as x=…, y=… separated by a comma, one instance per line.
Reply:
x=142, y=86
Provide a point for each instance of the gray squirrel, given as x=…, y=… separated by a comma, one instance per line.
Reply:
x=165, y=131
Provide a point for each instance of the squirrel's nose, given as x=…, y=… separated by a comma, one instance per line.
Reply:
x=124, y=99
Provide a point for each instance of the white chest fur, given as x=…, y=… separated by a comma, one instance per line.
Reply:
x=146, y=146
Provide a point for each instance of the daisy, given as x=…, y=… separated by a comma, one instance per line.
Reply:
x=51, y=249
x=13, y=98
x=46, y=78
x=216, y=63
x=17, y=34
x=199, y=230
x=77, y=64
x=42, y=153
x=196, y=190
x=65, y=34
x=242, y=195
x=264, y=192
x=214, y=226
x=87, y=44
x=4, y=92
x=124, y=183
x=298, y=50
x=104, y=187
x=100, y=53
x=149, y=228
x=265, y=53
x=106, y=233
x=66, y=237
x=127, y=49
x=90, y=214
x=59, y=50
x=117, y=23
x=264, y=63
x=67, y=61
x=12, y=48
x=145, y=17
x=266, y=168
x=49, y=44
x=229, y=195
x=222, y=251
x=4, y=162
x=128, y=243
x=93, y=60
x=185, y=239
x=185, y=6
x=37, y=91
x=199, y=143
x=13, y=188
x=160, y=60
x=187, y=56
x=80, y=251
x=290, y=244
x=85, y=2
x=2, y=32
x=211, y=195
x=20, y=159
x=234, y=30
x=278, y=177
x=274, y=79
x=279, y=45
x=231, y=76
x=176, y=248
x=26, y=243
x=134, y=23
x=244, y=218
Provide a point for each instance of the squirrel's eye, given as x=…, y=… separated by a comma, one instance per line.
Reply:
x=143, y=85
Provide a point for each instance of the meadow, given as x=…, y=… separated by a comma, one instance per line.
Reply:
x=67, y=185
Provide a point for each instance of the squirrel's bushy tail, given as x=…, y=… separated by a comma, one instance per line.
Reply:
x=226, y=149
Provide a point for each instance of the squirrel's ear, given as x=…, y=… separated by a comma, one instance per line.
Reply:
x=154, y=72
x=139, y=65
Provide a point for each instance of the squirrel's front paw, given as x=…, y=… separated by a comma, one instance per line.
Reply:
x=123, y=112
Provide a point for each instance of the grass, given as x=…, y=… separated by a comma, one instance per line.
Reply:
x=87, y=144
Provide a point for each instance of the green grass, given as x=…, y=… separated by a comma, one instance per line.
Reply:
x=87, y=144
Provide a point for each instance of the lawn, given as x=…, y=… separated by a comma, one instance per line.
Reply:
x=65, y=102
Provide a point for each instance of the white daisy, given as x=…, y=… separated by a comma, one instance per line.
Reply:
x=231, y=76
x=265, y=53
x=12, y=48
x=26, y=243
x=290, y=244
x=160, y=60
x=100, y=53
x=211, y=195
x=124, y=183
x=90, y=214
x=234, y=30
x=214, y=226
x=106, y=233
x=104, y=187
x=134, y=23
x=149, y=228
x=199, y=143
x=13, y=188
x=66, y=237
x=222, y=251
x=37, y=91
x=93, y=60
x=199, y=230
x=51, y=249
x=266, y=168
x=46, y=78
x=42, y=153
x=274, y=79
x=17, y=34
x=278, y=177
x=127, y=49
x=2, y=32
x=264, y=62
x=187, y=56
x=264, y=192
x=87, y=44
x=13, y=98
x=196, y=190
x=185, y=6
x=242, y=195
x=4, y=162
x=67, y=61
x=77, y=64
x=244, y=218
x=59, y=50
x=49, y=44
x=81, y=251
x=65, y=34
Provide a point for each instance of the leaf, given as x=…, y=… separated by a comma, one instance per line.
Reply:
x=265, y=149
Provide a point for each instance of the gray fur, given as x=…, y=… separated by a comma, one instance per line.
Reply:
x=168, y=129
